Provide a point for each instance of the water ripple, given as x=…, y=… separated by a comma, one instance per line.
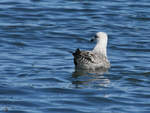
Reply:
x=37, y=38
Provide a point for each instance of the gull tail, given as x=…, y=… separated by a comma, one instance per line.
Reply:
x=77, y=52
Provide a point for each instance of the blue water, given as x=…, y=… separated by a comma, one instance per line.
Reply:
x=37, y=73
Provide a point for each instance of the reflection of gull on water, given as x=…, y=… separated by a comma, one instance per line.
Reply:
x=97, y=58
x=98, y=71
x=86, y=78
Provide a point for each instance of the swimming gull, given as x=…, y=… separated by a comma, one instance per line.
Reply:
x=97, y=58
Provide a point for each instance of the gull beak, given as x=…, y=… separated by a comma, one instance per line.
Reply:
x=92, y=40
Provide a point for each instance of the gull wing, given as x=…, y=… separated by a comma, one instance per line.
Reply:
x=85, y=57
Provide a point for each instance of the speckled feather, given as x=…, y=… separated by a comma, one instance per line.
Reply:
x=89, y=58
x=93, y=59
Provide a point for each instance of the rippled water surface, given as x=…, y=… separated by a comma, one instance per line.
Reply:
x=37, y=72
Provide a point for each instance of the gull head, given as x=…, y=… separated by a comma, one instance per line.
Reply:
x=101, y=45
x=100, y=36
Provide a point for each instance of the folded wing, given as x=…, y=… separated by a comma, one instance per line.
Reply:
x=85, y=57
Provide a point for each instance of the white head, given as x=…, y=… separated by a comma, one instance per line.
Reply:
x=101, y=38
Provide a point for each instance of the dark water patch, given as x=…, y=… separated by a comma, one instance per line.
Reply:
x=36, y=1
x=9, y=2
x=29, y=9
x=139, y=5
x=75, y=103
x=52, y=80
x=18, y=103
x=6, y=91
x=142, y=96
x=19, y=44
x=62, y=110
x=8, y=110
x=62, y=91
x=97, y=100
x=146, y=73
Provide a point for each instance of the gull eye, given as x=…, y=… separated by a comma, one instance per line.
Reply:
x=95, y=36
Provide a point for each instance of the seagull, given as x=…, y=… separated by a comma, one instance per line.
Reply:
x=95, y=59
